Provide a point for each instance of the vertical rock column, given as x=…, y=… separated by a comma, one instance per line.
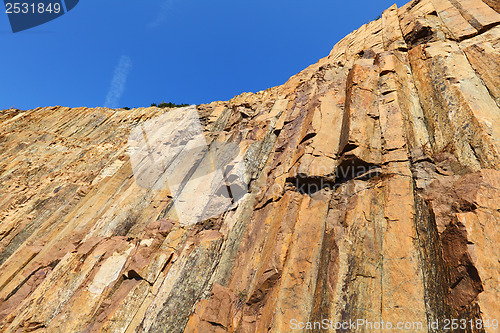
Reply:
x=402, y=281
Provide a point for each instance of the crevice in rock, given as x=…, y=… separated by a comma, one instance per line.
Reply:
x=52, y=265
x=413, y=4
x=132, y=275
x=367, y=54
x=307, y=138
x=216, y=324
x=354, y=168
x=309, y=185
x=262, y=205
x=33, y=326
x=351, y=168
x=474, y=152
x=420, y=34
x=261, y=293
x=349, y=147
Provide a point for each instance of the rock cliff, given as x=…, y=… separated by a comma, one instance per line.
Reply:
x=373, y=194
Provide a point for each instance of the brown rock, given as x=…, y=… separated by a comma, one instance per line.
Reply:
x=165, y=227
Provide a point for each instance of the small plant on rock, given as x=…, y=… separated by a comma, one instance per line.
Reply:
x=241, y=298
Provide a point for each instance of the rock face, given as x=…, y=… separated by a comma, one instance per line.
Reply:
x=374, y=194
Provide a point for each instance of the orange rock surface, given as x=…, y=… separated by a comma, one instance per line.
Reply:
x=374, y=194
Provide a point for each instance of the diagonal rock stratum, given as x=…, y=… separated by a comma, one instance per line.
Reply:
x=374, y=194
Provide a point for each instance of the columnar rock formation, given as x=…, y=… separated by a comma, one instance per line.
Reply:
x=374, y=194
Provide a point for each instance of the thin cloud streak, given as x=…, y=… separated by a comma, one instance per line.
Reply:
x=118, y=82
x=162, y=14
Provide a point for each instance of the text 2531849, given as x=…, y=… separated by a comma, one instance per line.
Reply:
x=32, y=8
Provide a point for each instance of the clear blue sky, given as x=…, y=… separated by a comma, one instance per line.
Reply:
x=133, y=53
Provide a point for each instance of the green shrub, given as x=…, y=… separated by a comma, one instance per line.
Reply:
x=168, y=105
x=171, y=105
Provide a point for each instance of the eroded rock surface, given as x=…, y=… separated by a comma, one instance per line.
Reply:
x=374, y=193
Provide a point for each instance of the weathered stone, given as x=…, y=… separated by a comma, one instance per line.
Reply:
x=374, y=195
x=493, y=4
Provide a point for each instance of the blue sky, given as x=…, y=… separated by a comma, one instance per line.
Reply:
x=133, y=53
